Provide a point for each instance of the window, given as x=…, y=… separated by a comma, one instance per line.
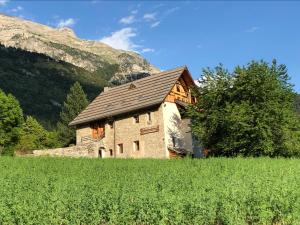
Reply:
x=136, y=145
x=120, y=148
x=111, y=124
x=177, y=88
x=149, y=116
x=111, y=152
x=136, y=118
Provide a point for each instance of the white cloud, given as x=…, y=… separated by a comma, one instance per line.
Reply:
x=197, y=82
x=17, y=9
x=3, y=2
x=158, y=5
x=134, y=11
x=172, y=10
x=155, y=24
x=127, y=20
x=252, y=29
x=121, y=39
x=65, y=23
x=147, y=50
x=150, y=17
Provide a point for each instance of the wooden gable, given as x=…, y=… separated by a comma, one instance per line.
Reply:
x=182, y=90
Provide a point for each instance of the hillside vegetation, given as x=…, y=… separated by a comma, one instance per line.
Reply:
x=91, y=191
x=297, y=103
x=41, y=83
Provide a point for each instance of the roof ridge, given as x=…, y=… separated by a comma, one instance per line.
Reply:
x=151, y=75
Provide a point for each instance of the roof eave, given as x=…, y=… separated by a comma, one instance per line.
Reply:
x=74, y=123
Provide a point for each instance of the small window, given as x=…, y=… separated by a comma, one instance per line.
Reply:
x=136, y=145
x=111, y=152
x=177, y=88
x=149, y=116
x=136, y=118
x=111, y=124
x=120, y=148
x=131, y=86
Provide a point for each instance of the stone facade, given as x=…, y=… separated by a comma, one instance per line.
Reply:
x=157, y=129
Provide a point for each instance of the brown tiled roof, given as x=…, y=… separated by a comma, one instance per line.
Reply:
x=139, y=94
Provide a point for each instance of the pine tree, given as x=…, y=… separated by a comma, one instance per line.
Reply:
x=75, y=102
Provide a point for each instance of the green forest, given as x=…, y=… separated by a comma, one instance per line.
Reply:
x=41, y=83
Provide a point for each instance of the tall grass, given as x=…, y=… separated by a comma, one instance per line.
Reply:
x=93, y=191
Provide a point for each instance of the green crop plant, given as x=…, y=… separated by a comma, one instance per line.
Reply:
x=115, y=191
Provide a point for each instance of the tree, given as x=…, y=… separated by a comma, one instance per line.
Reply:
x=75, y=102
x=34, y=136
x=297, y=103
x=248, y=112
x=11, y=120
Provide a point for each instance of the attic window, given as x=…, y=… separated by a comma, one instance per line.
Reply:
x=131, y=86
x=136, y=118
x=149, y=116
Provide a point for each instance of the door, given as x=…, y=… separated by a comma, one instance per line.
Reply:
x=100, y=153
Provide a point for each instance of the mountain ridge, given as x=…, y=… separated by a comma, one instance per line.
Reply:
x=63, y=44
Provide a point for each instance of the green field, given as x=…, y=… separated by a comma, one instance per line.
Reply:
x=94, y=191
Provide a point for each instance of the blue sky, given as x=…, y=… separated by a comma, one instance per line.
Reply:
x=169, y=34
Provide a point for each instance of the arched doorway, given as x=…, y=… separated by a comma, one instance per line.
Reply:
x=101, y=152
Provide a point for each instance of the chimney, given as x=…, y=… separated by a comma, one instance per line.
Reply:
x=106, y=89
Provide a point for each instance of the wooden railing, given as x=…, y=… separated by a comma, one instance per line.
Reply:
x=89, y=138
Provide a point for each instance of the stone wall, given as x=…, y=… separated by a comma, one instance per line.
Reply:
x=126, y=131
x=89, y=151
x=82, y=131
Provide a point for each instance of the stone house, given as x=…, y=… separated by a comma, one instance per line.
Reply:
x=141, y=119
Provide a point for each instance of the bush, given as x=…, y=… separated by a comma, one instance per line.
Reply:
x=34, y=136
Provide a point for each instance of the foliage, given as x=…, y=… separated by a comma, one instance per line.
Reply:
x=34, y=136
x=11, y=119
x=75, y=102
x=41, y=83
x=91, y=191
x=297, y=103
x=249, y=112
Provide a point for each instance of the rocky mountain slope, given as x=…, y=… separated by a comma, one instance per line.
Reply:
x=62, y=44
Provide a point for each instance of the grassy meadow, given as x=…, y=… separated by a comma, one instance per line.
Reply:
x=94, y=191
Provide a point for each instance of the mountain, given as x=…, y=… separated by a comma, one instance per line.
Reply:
x=41, y=83
x=62, y=44
x=38, y=64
